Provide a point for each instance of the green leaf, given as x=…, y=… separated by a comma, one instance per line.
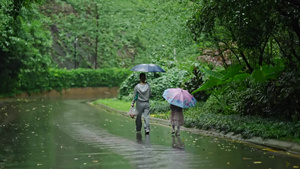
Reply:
x=232, y=71
x=272, y=72
x=258, y=76
x=213, y=74
x=241, y=77
x=209, y=84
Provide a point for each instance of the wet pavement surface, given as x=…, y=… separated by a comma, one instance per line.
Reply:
x=70, y=134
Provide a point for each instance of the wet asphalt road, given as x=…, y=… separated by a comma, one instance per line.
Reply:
x=73, y=134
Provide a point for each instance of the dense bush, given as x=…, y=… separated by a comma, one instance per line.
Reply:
x=194, y=83
x=277, y=98
x=247, y=126
x=159, y=107
x=268, y=92
x=158, y=81
x=62, y=78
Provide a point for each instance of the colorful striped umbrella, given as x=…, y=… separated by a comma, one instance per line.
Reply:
x=179, y=97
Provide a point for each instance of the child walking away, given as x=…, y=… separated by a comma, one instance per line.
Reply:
x=177, y=118
x=141, y=97
x=178, y=99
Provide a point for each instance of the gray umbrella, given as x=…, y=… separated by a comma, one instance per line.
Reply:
x=147, y=68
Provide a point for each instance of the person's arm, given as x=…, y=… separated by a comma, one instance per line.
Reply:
x=134, y=97
x=149, y=91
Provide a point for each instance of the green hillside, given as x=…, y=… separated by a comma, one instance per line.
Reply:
x=120, y=33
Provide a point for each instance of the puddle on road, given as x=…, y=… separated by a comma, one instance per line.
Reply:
x=73, y=134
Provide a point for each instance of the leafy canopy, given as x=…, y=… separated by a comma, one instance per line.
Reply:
x=256, y=32
x=24, y=43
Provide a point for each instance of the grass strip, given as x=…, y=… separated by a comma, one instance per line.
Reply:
x=247, y=126
x=115, y=103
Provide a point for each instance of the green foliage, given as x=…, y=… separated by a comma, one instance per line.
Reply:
x=159, y=107
x=126, y=32
x=277, y=98
x=255, y=32
x=214, y=105
x=115, y=103
x=193, y=83
x=24, y=43
x=247, y=126
x=172, y=79
x=258, y=76
x=260, y=93
x=61, y=78
x=159, y=82
x=234, y=73
x=271, y=97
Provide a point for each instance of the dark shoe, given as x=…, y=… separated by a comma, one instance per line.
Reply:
x=173, y=132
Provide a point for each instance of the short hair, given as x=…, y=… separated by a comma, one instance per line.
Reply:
x=143, y=77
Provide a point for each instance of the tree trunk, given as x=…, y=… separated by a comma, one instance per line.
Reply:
x=262, y=52
x=246, y=61
x=97, y=32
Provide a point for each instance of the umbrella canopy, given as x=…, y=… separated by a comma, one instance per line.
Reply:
x=147, y=68
x=179, y=97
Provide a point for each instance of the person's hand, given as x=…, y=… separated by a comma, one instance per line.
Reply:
x=132, y=105
x=132, y=116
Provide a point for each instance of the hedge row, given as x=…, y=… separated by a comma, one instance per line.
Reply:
x=61, y=79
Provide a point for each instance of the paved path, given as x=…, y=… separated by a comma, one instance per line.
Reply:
x=73, y=134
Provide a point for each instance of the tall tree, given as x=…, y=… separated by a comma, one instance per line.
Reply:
x=24, y=43
x=251, y=28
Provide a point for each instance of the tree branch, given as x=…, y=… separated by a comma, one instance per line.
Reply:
x=246, y=61
x=262, y=51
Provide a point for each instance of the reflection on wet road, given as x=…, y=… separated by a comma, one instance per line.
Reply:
x=73, y=134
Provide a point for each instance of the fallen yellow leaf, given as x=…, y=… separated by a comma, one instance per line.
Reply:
x=257, y=162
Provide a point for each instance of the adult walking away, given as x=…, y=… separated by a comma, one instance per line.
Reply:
x=141, y=95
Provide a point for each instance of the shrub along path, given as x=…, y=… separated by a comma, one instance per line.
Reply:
x=276, y=144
